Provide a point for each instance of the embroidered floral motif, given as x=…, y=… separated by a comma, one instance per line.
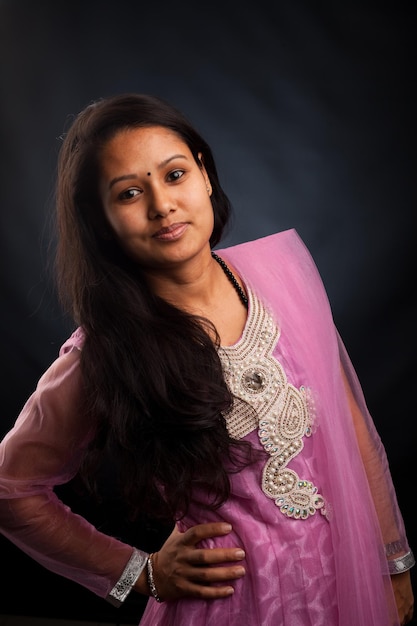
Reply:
x=283, y=414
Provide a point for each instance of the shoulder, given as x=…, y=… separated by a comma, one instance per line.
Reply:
x=75, y=341
x=283, y=248
x=282, y=240
x=284, y=254
x=280, y=270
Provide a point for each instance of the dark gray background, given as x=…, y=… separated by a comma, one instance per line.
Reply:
x=308, y=108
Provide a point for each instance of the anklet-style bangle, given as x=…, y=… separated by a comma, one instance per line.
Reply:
x=151, y=581
x=135, y=566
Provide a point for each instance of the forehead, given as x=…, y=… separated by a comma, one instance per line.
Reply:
x=144, y=143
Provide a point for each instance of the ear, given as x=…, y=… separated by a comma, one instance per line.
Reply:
x=204, y=172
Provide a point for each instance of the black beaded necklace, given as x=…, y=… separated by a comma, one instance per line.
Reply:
x=232, y=278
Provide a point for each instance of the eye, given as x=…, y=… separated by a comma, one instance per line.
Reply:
x=128, y=194
x=175, y=175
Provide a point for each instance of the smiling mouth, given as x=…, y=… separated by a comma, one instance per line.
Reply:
x=170, y=233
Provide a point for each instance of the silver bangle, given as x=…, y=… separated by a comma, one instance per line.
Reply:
x=402, y=564
x=135, y=566
x=151, y=581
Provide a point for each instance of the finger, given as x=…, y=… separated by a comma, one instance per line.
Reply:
x=208, y=583
x=204, y=531
x=196, y=581
x=213, y=556
x=208, y=593
x=210, y=575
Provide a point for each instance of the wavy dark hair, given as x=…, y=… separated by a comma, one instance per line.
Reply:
x=154, y=388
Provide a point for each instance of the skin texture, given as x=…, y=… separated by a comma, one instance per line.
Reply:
x=401, y=584
x=182, y=570
x=156, y=198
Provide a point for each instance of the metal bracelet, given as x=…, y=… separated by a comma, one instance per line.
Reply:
x=151, y=581
x=402, y=564
x=131, y=573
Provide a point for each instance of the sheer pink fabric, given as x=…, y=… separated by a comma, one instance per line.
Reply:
x=43, y=450
x=310, y=572
x=365, y=514
x=300, y=572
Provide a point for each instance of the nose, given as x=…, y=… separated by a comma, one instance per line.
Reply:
x=160, y=202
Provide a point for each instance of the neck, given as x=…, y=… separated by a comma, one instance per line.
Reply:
x=198, y=287
x=236, y=285
x=191, y=285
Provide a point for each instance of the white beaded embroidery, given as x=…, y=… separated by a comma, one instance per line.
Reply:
x=264, y=399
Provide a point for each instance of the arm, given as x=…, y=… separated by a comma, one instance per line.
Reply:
x=400, y=557
x=43, y=450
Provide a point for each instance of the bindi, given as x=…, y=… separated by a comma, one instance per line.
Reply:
x=149, y=173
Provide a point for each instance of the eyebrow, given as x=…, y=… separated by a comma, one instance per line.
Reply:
x=134, y=176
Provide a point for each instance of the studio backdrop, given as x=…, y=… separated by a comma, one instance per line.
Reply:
x=307, y=107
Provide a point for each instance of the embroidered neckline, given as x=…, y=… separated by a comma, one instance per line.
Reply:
x=263, y=399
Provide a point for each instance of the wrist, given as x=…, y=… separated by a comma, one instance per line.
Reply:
x=151, y=578
x=127, y=581
x=141, y=585
x=401, y=564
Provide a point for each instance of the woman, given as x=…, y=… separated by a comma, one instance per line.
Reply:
x=220, y=388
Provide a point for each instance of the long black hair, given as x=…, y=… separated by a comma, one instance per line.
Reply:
x=154, y=388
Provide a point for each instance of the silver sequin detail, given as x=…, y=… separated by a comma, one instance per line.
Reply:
x=281, y=413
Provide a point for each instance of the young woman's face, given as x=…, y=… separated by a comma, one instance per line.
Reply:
x=155, y=196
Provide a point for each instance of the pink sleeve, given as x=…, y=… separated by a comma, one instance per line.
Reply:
x=42, y=450
x=375, y=464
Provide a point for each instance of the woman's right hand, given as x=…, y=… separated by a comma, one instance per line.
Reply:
x=180, y=569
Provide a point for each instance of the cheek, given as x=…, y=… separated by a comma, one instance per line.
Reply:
x=210, y=215
x=205, y=208
x=124, y=224
x=211, y=219
x=203, y=216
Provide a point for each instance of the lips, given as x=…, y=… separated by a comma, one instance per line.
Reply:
x=171, y=232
